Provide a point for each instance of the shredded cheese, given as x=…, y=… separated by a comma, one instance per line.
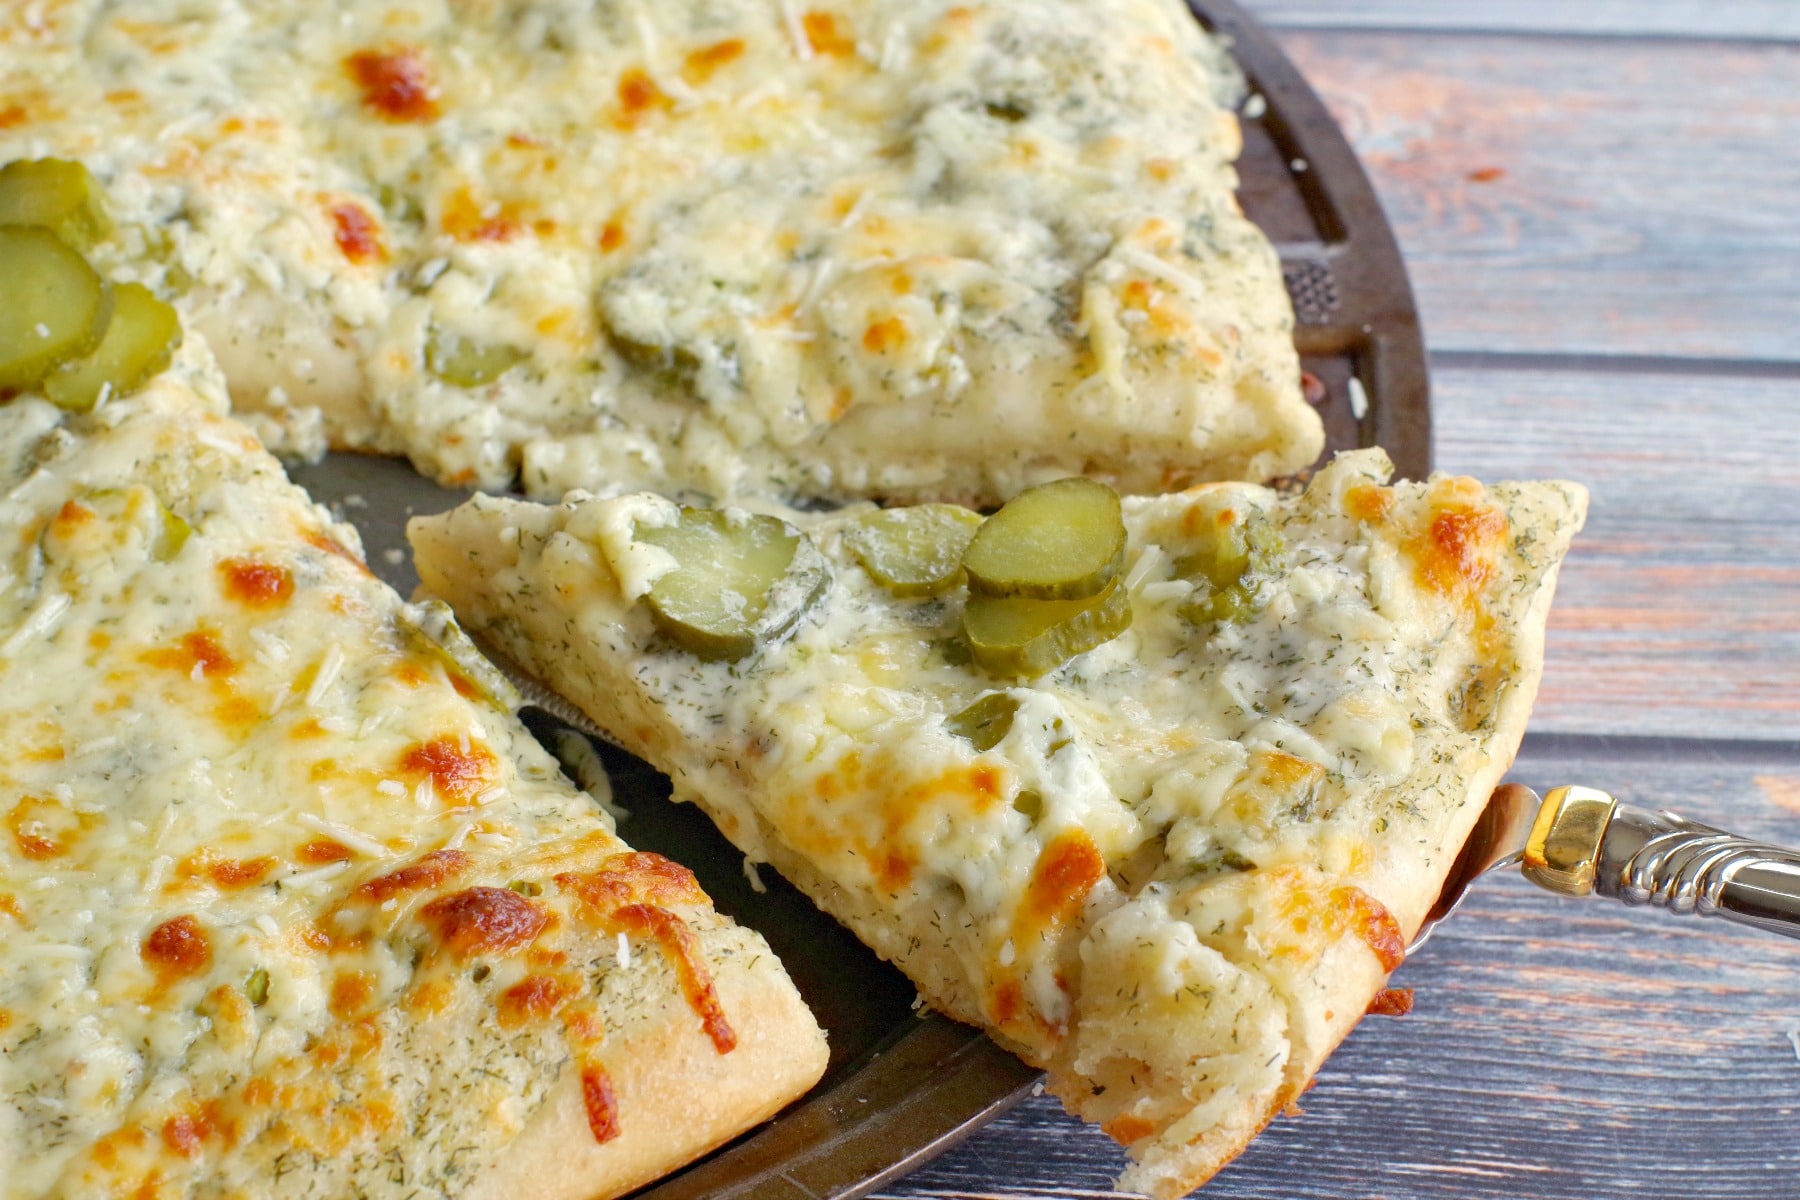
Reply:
x=358, y=841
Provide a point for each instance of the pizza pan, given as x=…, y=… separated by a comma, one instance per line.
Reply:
x=904, y=1085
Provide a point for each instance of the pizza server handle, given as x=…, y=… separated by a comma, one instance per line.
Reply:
x=1579, y=841
x=1583, y=841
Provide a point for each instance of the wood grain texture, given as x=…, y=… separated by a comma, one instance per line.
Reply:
x=1756, y=20
x=1678, y=612
x=1560, y=1049
x=1580, y=196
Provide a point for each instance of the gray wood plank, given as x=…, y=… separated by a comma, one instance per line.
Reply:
x=1556, y=195
x=1760, y=20
x=1678, y=612
x=1560, y=1049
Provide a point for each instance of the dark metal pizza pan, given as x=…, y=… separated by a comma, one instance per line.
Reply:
x=1356, y=326
x=903, y=1087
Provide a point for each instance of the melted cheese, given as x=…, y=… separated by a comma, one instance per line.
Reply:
x=1194, y=846
x=270, y=858
x=716, y=245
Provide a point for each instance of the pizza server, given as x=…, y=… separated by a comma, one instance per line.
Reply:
x=1579, y=841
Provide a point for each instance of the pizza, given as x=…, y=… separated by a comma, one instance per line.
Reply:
x=1154, y=790
x=823, y=248
x=291, y=905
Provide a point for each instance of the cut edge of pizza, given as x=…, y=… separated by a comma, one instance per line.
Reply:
x=1171, y=860
x=290, y=902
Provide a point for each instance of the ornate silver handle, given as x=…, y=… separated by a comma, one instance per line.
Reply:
x=1585, y=841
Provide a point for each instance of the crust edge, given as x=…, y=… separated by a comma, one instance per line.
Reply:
x=677, y=1096
x=1169, y=1173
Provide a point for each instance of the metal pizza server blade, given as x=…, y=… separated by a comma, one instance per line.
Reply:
x=534, y=693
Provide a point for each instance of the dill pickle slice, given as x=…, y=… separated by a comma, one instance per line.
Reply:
x=428, y=626
x=741, y=579
x=169, y=532
x=171, y=535
x=463, y=362
x=138, y=342
x=1058, y=541
x=914, y=551
x=62, y=196
x=1022, y=639
x=985, y=723
x=1233, y=565
x=1221, y=559
x=52, y=305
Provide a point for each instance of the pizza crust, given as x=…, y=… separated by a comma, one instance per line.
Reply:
x=1169, y=1168
x=683, y=1096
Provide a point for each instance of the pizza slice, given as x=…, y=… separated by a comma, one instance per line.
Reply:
x=1155, y=791
x=291, y=905
x=840, y=248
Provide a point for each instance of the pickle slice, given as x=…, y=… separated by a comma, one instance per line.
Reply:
x=165, y=530
x=914, y=551
x=1058, y=541
x=172, y=533
x=52, y=304
x=62, y=196
x=1022, y=639
x=1221, y=559
x=430, y=628
x=1233, y=565
x=985, y=723
x=138, y=342
x=462, y=362
x=741, y=579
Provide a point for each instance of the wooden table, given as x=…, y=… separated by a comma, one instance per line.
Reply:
x=1599, y=202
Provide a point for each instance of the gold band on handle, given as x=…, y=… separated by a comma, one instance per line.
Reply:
x=1564, y=847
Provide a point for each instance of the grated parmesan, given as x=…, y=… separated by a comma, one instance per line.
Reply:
x=1157, y=268
x=40, y=622
x=790, y=16
x=357, y=840
x=325, y=676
